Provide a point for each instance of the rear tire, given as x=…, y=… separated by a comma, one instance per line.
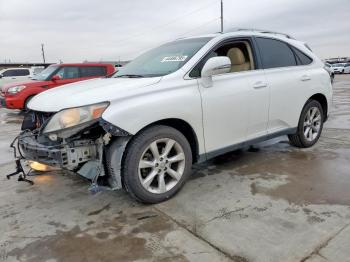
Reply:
x=310, y=125
x=156, y=164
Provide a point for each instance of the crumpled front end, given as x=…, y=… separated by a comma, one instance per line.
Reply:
x=80, y=148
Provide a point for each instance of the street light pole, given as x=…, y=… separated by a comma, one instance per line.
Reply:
x=43, y=52
x=222, y=17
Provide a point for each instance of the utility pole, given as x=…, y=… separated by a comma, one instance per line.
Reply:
x=222, y=17
x=43, y=52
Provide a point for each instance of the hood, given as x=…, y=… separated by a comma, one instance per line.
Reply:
x=27, y=83
x=88, y=92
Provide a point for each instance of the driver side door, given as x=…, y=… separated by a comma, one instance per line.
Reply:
x=235, y=107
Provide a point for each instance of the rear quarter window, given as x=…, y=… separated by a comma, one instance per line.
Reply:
x=302, y=58
x=275, y=53
x=87, y=71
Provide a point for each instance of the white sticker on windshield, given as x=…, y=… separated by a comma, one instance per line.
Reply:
x=176, y=58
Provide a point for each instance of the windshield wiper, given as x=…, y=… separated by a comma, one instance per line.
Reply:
x=130, y=76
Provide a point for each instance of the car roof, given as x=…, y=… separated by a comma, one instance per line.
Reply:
x=15, y=68
x=246, y=32
x=83, y=64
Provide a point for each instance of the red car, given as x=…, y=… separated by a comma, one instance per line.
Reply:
x=17, y=95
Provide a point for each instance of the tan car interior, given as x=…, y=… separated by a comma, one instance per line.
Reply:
x=241, y=57
x=240, y=54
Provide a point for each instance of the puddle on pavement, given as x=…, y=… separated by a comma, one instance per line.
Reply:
x=312, y=176
x=119, y=239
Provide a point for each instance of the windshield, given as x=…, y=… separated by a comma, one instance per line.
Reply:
x=338, y=65
x=45, y=74
x=164, y=59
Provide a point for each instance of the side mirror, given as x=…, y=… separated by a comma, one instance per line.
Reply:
x=55, y=78
x=216, y=66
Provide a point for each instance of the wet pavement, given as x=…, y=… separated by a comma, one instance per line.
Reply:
x=272, y=202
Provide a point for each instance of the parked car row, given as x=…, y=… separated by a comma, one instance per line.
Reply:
x=339, y=68
x=184, y=102
x=18, y=94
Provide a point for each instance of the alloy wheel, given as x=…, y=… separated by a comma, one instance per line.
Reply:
x=161, y=165
x=312, y=124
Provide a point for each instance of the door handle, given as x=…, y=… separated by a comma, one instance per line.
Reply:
x=259, y=84
x=305, y=78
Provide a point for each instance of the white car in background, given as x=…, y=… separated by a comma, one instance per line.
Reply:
x=10, y=75
x=184, y=102
x=338, y=68
x=330, y=70
x=347, y=68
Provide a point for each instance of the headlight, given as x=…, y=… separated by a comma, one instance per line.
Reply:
x=15, y=89
x=74, y=116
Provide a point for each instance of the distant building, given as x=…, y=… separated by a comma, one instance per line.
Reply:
x=338, y=60
x=11, y=65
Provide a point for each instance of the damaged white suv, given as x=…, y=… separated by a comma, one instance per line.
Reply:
x=181, y=103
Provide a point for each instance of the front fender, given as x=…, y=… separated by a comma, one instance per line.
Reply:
x=180, y=100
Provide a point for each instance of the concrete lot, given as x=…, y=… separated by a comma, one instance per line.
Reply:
x=270, y=203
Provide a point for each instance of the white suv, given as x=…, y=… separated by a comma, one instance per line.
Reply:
x=182, y=103
x=10, y=75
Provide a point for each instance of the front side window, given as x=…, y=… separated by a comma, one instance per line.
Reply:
x=89, y=71
x=275, y=53
x=46, y=74
x=163, y=60
x=239, y=52
x=9, y=73
x=68, y=72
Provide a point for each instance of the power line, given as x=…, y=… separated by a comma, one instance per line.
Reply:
x=183, y=34
x=169, y=23
x=203, y=25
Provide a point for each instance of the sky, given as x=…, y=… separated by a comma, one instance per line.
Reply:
x=112, y=30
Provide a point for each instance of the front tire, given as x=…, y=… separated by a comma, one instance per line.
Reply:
x=157, y=163
x=26, y=102
x=310, y=125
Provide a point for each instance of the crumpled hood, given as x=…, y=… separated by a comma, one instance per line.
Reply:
x=88, y=92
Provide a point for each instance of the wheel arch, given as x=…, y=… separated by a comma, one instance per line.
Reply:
x=321, y=98
x=183, y=127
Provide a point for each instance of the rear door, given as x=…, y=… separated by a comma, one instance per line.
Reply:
x=288, y=79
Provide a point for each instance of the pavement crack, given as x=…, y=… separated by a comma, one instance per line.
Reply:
x=227, y=214
x=323, y=244
x=224, y=253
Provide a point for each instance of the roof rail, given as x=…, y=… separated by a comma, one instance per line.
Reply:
x=263, y=31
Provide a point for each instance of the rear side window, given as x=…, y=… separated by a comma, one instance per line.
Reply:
x=22, y=72
x=275, y=53
x=87, y=71
x=302, y=59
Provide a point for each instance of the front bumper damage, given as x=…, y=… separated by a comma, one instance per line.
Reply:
x=82, y=150
x=67, y=156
